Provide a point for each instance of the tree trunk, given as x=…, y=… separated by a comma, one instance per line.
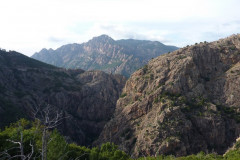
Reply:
x=44, y=145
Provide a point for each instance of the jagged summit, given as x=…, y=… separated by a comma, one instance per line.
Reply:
x=103, y=53
x=102, y=38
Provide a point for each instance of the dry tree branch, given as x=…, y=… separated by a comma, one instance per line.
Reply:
x=21, y=147
x=50, y=118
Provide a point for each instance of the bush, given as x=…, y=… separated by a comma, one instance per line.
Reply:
x=123, y=95
x=145, y=69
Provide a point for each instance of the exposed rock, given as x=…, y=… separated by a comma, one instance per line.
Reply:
x=103, y=53
x=181, y=103
x=87, y=98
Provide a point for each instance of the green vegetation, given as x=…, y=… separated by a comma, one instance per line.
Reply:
x=123, y=95
x=151, y=76
x=58, y=148
x=167, y=95
x=145, y=69
x=195, y=103
x=182, y=57
x=230, y=112
x=232, y=47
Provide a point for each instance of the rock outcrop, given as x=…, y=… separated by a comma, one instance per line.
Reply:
x=181, y=103
x=88, y=98
x=103, y=53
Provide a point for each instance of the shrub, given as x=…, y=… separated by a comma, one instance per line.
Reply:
x=123, y=95
x=145, y=69
x=232, y=47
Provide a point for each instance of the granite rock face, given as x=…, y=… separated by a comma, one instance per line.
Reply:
x=181, y=103
x=87, y=98
x=103, y=53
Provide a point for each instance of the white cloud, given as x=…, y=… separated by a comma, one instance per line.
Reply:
x=29, y=25
x=125, y=31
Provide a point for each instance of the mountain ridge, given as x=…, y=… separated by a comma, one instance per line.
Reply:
x=104, y=53
x=88, y=98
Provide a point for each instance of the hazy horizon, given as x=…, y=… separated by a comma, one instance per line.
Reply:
x=28, y=26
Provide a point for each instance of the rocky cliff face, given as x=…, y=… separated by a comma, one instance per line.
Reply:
x=181, y=103
x=87, y=98
x=103, y=53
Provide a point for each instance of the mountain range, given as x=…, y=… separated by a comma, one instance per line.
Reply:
x=179, y=103
x=103, y=53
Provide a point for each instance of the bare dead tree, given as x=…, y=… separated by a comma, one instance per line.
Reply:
x=5, y=154
x=50, y=118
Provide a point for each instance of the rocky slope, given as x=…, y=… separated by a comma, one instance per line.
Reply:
x=103, y=53
x=181, y=103
x=88, y=99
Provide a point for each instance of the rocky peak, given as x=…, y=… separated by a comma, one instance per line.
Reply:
x=46, y=51
x=181, y=103
x=102, y=39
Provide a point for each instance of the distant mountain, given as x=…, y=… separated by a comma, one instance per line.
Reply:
x=87, y=98
x=103, y=53
x=181, y=103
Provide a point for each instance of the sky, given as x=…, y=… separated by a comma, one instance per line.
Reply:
x=27, y=26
